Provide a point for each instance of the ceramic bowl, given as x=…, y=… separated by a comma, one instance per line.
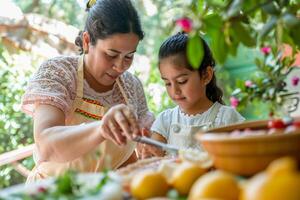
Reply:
x=248, y=154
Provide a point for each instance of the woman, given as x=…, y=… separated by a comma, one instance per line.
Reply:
x=87, y=109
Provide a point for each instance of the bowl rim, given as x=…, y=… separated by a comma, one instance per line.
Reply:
x=254, y=124
x=225, y=137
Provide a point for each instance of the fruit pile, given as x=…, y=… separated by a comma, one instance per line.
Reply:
x=281, y=180
x=275, y=126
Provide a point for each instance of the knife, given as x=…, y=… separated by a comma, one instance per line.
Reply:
x=167, y=147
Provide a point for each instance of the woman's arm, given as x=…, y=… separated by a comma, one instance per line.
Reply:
x=60, y=143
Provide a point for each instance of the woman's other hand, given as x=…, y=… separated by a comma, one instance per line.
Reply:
x=119, y=124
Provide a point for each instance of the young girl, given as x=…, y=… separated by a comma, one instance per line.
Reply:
x=198, y=98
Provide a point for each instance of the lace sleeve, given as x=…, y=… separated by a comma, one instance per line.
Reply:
x=135, y=92
x=145, y=117
x=54, y=83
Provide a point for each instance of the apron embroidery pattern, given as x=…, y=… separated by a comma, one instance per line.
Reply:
x=92, y=101
x=88, y=115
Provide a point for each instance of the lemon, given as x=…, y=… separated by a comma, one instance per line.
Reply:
x=148, y=184
x=264, y=187
x=185, y=175
x=215, y=185
x=196, y=156
x=167, y=169
x=280, y=181
x=282, y=165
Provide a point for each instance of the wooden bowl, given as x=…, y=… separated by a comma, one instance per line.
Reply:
x=248, y=154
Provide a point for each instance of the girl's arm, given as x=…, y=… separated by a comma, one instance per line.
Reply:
x=148, y=150
x=59, y=143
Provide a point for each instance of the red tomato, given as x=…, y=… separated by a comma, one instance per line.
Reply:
x=276, y=123
x=296, y=124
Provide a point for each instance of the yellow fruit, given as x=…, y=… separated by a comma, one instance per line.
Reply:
x=282, y=165
x=167, y=169
x=184, y=176
x=148, y=184
x=195, y=156
x=215, y=185
x=281, y=181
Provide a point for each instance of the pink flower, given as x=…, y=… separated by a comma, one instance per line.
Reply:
x=185, y=23
x=234, y=102
x=42, y=189
x=295, y=80
x=265, y=50
x=248, y=83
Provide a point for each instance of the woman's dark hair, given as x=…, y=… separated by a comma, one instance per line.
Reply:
x=108, y=17
x=176, y=45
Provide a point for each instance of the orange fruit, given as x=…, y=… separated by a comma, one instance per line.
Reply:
x=148, y=184
x=280, y=181
x=184, y=176
x=215, y=185
x=282, y=165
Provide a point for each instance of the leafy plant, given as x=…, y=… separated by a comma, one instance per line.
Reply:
x=230, y=23
x=15, y=126
x=268, y=84
x=69, y=186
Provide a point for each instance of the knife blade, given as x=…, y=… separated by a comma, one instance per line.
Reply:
x=167, y=147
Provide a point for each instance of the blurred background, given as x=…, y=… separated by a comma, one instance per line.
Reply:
x=34, y=30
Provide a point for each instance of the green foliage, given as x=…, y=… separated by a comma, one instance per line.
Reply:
x=70, y=186
x=66, y=11
x=232, y=22
x=195, y=51
x=174, y=195
x=267, y=85
x=15, y=126
x=157, y=28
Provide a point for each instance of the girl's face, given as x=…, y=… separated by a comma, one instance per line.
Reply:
x=185, y=87
x=110, y=57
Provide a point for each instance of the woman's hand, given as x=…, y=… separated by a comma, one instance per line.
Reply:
x=147, y=151
x=119, y=124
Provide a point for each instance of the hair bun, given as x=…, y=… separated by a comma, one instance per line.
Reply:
x=90, y=4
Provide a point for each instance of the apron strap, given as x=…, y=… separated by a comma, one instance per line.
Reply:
x=79, y=90
x=214, y=112
x=122, y=91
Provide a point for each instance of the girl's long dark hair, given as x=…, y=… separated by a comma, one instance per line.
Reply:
x=108, y=17
x=176, y=45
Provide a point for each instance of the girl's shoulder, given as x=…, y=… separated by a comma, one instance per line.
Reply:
x=169, y=113
x=229, y=115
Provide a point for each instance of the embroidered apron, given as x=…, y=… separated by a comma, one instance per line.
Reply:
x=182, y=136
x=86, y=110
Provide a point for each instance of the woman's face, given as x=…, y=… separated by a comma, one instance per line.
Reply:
x=110, y=57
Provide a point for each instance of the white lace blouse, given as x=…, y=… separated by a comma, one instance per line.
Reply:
x=226, y=115
x=55, y=84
